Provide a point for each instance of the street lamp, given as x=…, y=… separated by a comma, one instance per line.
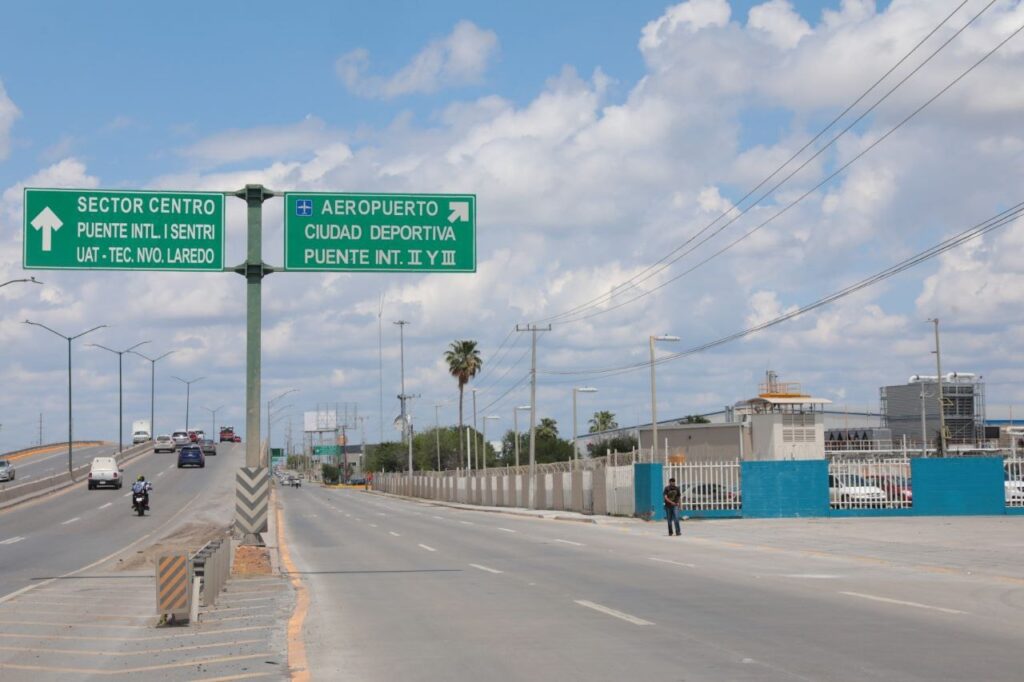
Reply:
x=30, y=280
x=152, y=386
x=515, y=426
x=575, y=390
x=483, y=455
x=120, y=391
x=188, y=395
x=654, y=396
x=437, y=431
x=69, y=339
x=213, y=419
x=475, y=450
x=270, y=403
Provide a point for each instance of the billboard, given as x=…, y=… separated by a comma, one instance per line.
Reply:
x=320, y=420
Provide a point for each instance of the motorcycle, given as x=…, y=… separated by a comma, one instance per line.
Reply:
x=139, y=503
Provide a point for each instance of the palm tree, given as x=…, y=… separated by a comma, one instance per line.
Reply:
x=464, y=363
x=603, y=421
x=548, y=428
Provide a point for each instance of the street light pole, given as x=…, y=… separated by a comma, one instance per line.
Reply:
x=271, y=402
x=437, y=432
x=213, y=419
x=475, y=451
x=483, y=462
x=515, y=427
x=654, y=396
x=30, y=280
x=120, y=390
x=152, y=387
x=575, y=447
x=69, y=339
x=188, y=396
x=401, y=353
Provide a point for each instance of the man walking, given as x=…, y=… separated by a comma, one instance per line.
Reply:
x=671, y=495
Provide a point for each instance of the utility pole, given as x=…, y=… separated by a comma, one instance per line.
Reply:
x=437, y=432
x=654, y=398
x=924, y=425
x=475, y=450
x=533, y=329
x=942, y=406
x=401, y=349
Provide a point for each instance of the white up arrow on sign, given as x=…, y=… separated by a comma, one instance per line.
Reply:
x=47, y=222
x=459, y=211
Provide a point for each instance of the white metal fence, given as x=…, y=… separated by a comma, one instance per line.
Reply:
x=707, y=485
x=1013, y=481
x=870, y=483
x=621, y=499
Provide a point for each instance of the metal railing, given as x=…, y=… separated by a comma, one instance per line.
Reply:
x=870, y=483
x=1013, y=484
x=707, y=485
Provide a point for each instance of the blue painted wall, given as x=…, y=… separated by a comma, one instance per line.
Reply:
x=647, y=487
x=958, y=485
x=790, y=488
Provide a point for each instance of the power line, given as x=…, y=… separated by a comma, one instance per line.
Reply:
x=803, y=196
x=995, y=222
x=671, y=257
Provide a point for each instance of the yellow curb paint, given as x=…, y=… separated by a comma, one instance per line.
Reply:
x=296, y=646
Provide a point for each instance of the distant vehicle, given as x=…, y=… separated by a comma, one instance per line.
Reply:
x=1013, y=488
x=200, y=434
x=6, y=470
x=227, y=434
x=208, y=447
x=191, y=455
x=236, y=439
x=193, y=436
x=163, y=444
x=180, y=438
x=105, y=471
x=703, y=494
x=896, y=488
x=141, y=426
x=141, y=437
x=294, y=481
x=357, y=481
x=853, y=489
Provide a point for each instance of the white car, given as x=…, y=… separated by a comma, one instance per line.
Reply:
x=181, y=438
x=163, y=444
x=141, y=437
x=105, y=471
x=1013, y=488
x=853, y=490
x=6, y=470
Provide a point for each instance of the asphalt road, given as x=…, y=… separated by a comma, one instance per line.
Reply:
x=409, y=591
x=51, y=463
x=76, y=527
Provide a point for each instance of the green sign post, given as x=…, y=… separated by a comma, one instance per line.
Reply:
x=379, y=232
x=78, y=229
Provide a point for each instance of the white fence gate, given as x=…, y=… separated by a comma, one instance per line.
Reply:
x=707, y=485
x=1013, y=482
x=871, y=483
x=619, y=484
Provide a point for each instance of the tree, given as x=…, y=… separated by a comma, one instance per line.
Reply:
x=549, y=447
x=695, y=419
x=548, y=428
x=386, y=457
x=618, y=443
x=464, y=362
x=603, y=421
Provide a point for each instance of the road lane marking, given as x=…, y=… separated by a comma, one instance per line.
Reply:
x=381, y=514
x=108, y=504
x=508, y=530
x=11, y=541
x=900, y=602
x=429, y=549
x=612, y=612
x=394, y=533
x=485, y=568
x=439, y=518
x=161, y=473
x=813, y=576
x=570, y=542
x=674, y=563
x=126, y=495
x=77, y=518
x=141, y=652
x=130, y=671
x=468, y=523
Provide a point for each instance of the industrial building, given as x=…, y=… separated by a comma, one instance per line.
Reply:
x=911, y=410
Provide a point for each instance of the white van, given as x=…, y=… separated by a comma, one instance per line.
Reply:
x=105, y=471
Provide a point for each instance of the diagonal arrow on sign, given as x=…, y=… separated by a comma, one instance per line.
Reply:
x=459, y=211
x=47, y=222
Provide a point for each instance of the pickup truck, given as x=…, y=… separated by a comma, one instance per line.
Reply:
x=105, y=471
x=227, y=434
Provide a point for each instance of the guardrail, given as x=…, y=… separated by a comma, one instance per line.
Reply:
x=185, y=582
x=10, y=494
x=212, y=563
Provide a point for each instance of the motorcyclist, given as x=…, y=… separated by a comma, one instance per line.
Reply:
x=143, y=486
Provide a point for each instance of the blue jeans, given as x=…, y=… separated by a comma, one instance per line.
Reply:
x=672, y=516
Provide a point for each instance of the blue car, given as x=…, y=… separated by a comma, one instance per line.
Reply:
x=191, y=455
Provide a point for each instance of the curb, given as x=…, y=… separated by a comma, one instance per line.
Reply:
x=527, y=514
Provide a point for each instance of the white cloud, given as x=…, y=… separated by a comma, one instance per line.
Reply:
x=460, y=58
x=780, y=23
x=9, y=113
x=265, y=142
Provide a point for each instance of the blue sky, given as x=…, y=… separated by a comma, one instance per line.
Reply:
x=597, y=136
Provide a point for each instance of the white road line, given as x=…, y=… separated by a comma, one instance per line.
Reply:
x=508, y=530
x=439, y=518
x=381, y=514
x=19, y=538
x=468, y=523
x=900, y=602
x=485, y=568
x=394, y=533
x=674, y=563
x=373, y=525
x=126, y=495
x=77, y=518
x=570, y=542
x=108, y=504
x=612, y=612
x=429, y=549
x=159, y=474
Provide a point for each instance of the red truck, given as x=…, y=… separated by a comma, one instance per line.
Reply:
x=227, y=434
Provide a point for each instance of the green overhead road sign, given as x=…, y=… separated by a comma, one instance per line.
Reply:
x=81, y=229
x=379, y=232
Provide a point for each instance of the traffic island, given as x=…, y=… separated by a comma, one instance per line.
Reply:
x=251, y=562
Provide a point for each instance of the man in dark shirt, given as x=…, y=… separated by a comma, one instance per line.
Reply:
x=671, y=495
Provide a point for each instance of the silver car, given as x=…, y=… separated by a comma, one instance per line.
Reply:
x=6, y=470
x=181, y=439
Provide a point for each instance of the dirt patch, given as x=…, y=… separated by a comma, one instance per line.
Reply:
x=251, y=561
x=189, y=538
